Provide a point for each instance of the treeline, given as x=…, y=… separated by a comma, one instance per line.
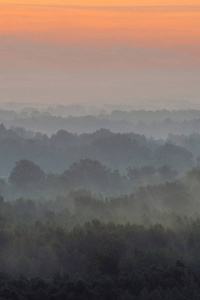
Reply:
x=99, y=215
x=85, y=246
x=93, y=236
x=82, y=119
x=160, y=203
x=58, y=152
x=29, y=180
x=150, y=283
x=95, y=260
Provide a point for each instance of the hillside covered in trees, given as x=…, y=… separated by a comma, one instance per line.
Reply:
x=134, y=246
x=81, y=119
x=120, y=151
x=101, y=215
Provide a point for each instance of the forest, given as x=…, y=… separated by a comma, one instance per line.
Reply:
x=89, y=118
x=107, y=214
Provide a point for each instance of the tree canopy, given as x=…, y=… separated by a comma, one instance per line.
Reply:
x=26, y=173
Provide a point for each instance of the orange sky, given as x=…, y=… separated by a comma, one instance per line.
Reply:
x=38, y=36
x=137, y=27
x=106, y=3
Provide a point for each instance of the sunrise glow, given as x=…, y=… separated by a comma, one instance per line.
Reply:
x=133, y=26
x=68, y=36
x=104, y=3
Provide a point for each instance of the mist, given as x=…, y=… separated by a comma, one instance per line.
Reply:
x=178, y=89
x=99, y=150
x=115, y=191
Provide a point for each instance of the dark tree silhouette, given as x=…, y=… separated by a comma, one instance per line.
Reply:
x=25, y=174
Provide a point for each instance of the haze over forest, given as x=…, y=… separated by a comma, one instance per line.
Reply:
x=117, y=200
x=99, y=150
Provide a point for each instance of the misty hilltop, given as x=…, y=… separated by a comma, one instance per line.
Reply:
x=87, y=119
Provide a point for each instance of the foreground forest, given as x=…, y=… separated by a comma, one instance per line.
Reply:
x=82, y=246
x=100, y=215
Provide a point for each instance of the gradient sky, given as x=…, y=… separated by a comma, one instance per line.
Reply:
x=132, y=52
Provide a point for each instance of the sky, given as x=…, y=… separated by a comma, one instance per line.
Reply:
x=143, y=53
